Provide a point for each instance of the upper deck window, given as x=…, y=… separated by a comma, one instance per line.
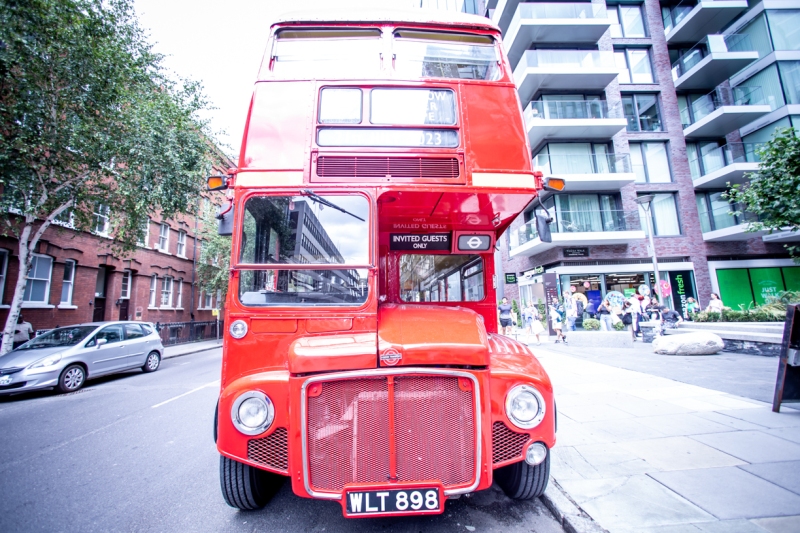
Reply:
x=340, y=106
x=326, y=53
x=430, y=54
x=413, y=107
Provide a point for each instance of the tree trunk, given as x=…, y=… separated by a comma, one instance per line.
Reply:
x=19, y=290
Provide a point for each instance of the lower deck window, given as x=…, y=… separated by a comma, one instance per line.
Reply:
x=441, y=278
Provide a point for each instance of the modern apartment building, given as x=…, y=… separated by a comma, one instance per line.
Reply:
x=650, y=98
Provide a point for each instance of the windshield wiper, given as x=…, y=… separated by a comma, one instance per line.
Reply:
x=323, y=201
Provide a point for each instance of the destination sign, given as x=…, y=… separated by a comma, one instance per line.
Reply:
x=419, y=241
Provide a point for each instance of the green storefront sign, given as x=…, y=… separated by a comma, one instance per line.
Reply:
x=746, y=287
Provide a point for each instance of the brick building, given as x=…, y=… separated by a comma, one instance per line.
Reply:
x=75, y=276
x=637, y=98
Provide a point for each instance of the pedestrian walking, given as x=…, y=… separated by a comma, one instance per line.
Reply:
x=605, y=312
x=22, y=332
x=505, y=316
x=557, y=319
x=535, y=326
x=715, y=304
x=571, y=310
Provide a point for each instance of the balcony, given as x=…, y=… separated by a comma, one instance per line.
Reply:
x=547, y=23
x=782, y=236
x=503, y=12
x=727, y=164
x=576, y=228
x=687, y=23
x=721, y=225
x=588, y=172
x=586, y=70
x=722, y=111
x=572, y=119
x=712, y=61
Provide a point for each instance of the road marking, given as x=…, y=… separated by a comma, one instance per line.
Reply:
x=201, y=387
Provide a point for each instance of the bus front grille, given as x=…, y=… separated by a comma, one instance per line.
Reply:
x=387, y=167
x=348, y=431
x=507, y=445
x=271, y=451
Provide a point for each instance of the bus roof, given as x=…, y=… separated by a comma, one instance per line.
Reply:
x=364, y=16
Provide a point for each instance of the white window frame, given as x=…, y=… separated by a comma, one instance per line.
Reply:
x=208, y=301
x=153, y=291
x=101, y=213
x=181, y=251
x=179, y=300
x=3, y=271
x=167, y=286
x=219, y=297
x=34, y=259
x=70, y=282
x=627, y=67
x=163, y=238
x=144, y=241
x=125, y=293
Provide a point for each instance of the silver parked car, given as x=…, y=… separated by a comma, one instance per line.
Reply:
x=65, y=358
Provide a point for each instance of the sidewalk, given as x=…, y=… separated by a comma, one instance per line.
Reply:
x=646, y=454
x=178, y=350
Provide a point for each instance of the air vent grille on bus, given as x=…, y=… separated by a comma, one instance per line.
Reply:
x=383, y=167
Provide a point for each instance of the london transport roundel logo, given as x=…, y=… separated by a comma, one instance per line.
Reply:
x=390, y=357
x=474, y=242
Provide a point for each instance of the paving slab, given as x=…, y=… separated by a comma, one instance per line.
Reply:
x=785, y=475
x=592, y=412
x=765, y=417
x=633, y=502
x=787, y=524
x=729, y=493
x=679, y=453
x=623, y=429
x=731, y=422
x=752, y=446
x=682, y=424
x=790, y=433
x=721, y=526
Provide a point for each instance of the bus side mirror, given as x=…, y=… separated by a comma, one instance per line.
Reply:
x=217, y=183
x=543, y=227
x=225, y=225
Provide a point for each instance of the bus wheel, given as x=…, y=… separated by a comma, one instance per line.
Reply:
x=522, y=481
x=245, y=487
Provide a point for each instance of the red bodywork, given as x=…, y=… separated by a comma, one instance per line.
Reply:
x=429, y=379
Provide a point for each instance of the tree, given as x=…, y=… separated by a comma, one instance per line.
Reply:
x=213, y=265
x=774, y=192
x=90, y=119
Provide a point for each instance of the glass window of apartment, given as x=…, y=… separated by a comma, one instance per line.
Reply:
x=37, y=288
x=3, y=269
x=182, y=243
x=650, y=162
x=574, y=158
x=144, y=234
x=208, y=301
x=664, y=216
x=785, y=27
x=634, y=65
x=166, y=291
x=758, y=34
x=587, y=213
x=626, y=21
x=765, y=134
x=718, y=213
x=674, y=13
x=179, y=294
x=163, y=238
x=125, y=293
x=770, y=83
x=68, y=283
x=704, y=157
x=153, y=290
x=790, y=78
x=641, y=110
x=100, y=217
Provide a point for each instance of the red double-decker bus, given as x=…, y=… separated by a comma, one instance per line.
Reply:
x=384, y=154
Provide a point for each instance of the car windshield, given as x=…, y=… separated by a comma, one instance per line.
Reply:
x=69, y=336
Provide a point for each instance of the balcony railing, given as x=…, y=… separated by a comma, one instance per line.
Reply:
x=559, y=10
x=711, y=44
x=721, y=96
x=673, y=16
x=722, y=216
x=723, y=156
x=568, y=59
x=583, y=222
x=583, y=164
x=569, y=109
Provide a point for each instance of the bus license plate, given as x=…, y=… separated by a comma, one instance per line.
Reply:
x=411, y=501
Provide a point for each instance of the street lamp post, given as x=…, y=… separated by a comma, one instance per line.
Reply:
x=645, y=201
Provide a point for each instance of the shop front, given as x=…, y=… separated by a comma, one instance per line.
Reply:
x=745, y=284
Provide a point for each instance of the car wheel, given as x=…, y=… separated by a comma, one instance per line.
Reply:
x=245, y=487
x=72, y=378
x=522, y=481
x=152, y=362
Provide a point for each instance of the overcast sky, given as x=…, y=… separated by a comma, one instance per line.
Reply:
x=220, y=43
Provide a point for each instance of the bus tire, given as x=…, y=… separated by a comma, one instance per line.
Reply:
x=245, y=487
x=521, y=481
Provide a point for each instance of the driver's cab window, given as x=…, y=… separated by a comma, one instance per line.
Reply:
x=441, y=278
x=111, y=334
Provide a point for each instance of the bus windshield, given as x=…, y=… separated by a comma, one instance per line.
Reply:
x=325, y=230
x=441, y=278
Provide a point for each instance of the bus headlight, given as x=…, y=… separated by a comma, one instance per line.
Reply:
x=525, y=406
x=238, y=329
x=252, y=413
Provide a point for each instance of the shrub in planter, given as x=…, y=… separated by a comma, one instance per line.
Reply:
x=619, y=326
x=591, y=324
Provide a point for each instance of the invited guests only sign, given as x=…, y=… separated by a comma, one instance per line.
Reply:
x=419, y=241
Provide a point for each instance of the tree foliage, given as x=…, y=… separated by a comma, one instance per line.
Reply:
x=89, y=117
x=213, y=265
x=774, y=192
